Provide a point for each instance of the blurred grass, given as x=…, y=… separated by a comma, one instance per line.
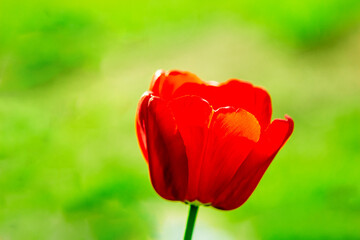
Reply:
x=71, y=74
x=49, y=40
x=42, y=44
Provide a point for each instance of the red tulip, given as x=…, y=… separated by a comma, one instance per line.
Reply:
x=207, y=143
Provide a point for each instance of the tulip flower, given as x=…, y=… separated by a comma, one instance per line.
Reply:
x=207, y=143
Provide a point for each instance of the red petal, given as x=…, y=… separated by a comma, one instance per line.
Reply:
x=233, y=93
x=262, y=108
x=193, y=115
x=164, y=84
x=253, y=168
x=141, y=117
x=168, y=163
x=232, y=136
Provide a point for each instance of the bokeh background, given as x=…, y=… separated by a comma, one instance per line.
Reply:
x=71, y=73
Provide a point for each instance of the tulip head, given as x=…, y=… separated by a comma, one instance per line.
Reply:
x=207, y=143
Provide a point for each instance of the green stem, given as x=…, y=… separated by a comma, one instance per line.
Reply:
x=191, y=222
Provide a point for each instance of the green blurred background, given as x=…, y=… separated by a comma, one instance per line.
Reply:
x=71, y=73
